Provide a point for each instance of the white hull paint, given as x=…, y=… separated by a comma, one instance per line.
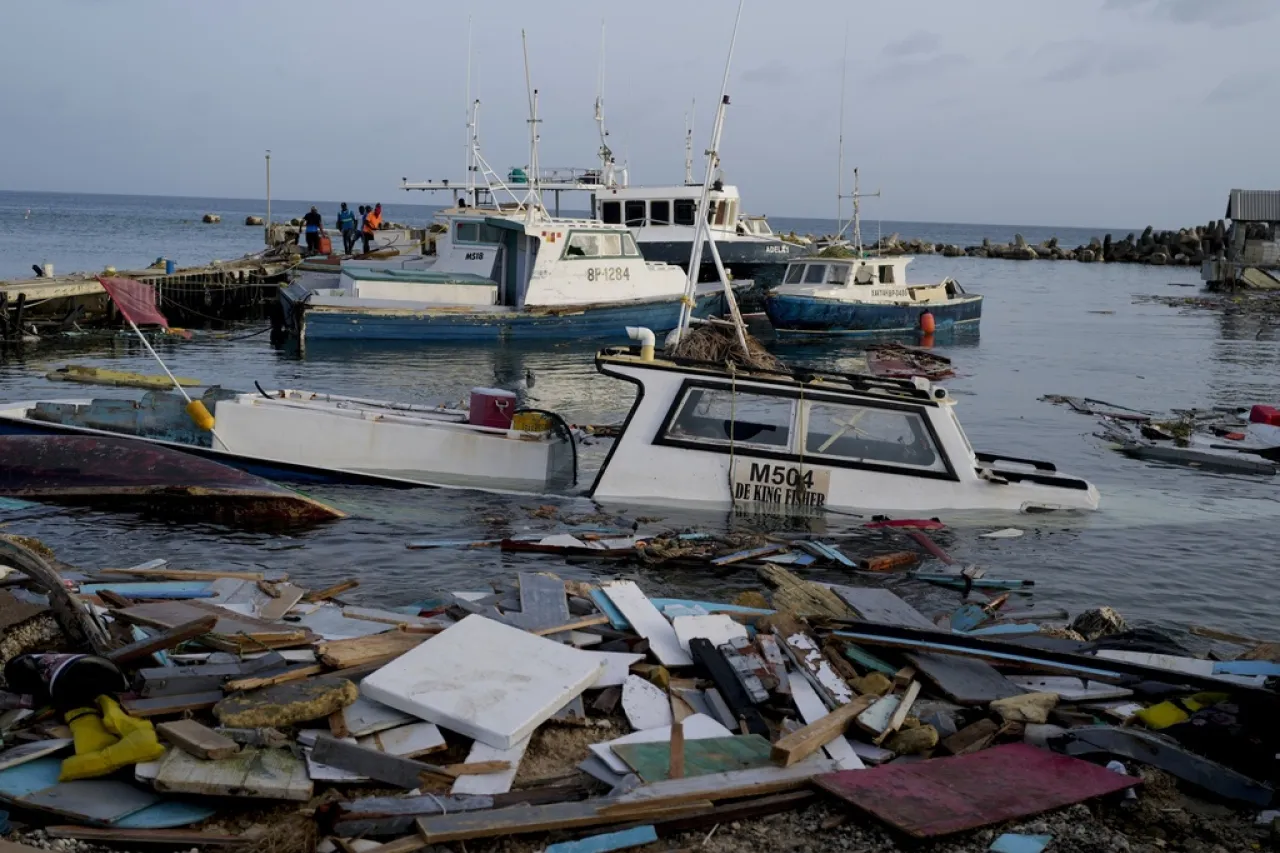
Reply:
x=711, y=466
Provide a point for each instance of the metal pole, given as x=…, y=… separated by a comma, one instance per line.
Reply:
x=268, y=234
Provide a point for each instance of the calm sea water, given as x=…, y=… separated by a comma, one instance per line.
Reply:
x=1170, y=546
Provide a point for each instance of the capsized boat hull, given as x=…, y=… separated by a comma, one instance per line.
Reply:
x=116, y=473
x=806, y=316
x=597, y=321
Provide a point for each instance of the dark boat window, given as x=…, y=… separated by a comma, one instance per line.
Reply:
x=635, y=214
x=794, y=273
x=659, y=213
x=864, y=434
x=477, y=232
x=724, y=417
x=611, y=212
x=686, y=210
x=816, y=274
x=886, y=273
x=839, y=274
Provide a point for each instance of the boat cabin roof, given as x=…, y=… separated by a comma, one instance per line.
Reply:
x=693, y=191
x=918, y=390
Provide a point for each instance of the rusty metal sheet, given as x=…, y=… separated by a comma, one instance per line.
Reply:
x=947, y=795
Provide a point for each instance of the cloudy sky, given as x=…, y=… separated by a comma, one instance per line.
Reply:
x=1055, y=112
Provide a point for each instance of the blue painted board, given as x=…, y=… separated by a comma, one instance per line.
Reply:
x=1012, y=842
x=608, y=608
x=709, y=606
x=167, y=814
x=967, y=617
x=1246, y=667
x=996, y=630
x=620, y=840
x=15, y=504
x=957, y=582
x=153, y=589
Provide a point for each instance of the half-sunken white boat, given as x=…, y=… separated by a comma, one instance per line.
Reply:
x=306, y=437
x=796, y=440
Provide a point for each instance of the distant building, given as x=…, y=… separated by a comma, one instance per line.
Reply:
x=1251, y=244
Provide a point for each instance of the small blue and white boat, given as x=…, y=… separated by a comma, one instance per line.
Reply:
x=861, y=295
x=503, y=277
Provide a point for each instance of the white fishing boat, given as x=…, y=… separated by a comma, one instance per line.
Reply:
x=796, y=441
x=303, y=436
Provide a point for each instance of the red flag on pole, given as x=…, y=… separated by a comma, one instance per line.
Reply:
x=135, y=299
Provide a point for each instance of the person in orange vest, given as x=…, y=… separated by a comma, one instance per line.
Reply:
x=372, y=220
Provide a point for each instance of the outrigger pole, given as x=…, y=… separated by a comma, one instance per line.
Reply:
x=702, y=229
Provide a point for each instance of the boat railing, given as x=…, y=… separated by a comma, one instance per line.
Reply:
x=454, y=420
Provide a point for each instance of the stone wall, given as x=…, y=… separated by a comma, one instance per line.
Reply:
x=1184, y=247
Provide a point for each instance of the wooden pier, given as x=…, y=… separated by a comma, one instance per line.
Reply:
x=196, y=296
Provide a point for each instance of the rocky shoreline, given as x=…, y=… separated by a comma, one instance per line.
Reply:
x=1184, y=247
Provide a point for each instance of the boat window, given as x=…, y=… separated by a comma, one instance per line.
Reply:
x=794, y=273
x=723, y=209
x=886, y=273
x=723, y=417
x=635, y=214
x=762, y=228
x=815, y=274
x=610, y=245
x=611, y=212
x=477, y=232
x=686, y=210
x=629, y=246
x=582, y=246
x=659, y=213
x=866, y=434
x=839, y=274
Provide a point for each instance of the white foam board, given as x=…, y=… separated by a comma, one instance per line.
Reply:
x=490, y=783
x=617, y=666
x=488, y=681
x=811, y=710
x=646, y=706
x=1069, y=689
x=696, y=727
x=648, y=622
x=406, y=741
x=716, y=627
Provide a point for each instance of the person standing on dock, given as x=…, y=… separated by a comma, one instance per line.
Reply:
x=347, y=225
x=372, y=220
x=313, y=224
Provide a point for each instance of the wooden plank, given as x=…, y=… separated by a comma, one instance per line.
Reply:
x=518, y=820
x=695, y=727
x=318, y=595
x=365, y=717
x=181, y=838
x=971, y=738
x=609, y=841
x=800, y=597
x=646, y=621
x=286, y=596
x=812, y=710
x=804, y=742
x=22, y=753
x=184, y=574
x=197, y=740
x=963, y=680
x=731, y=690
x=259, y=773
x=15, y=847
x=805, y=652
x=164, y=640
x=577, y=624
x=296, y=673
x=928, y=799
x=652, y=761
x=677, y=751
x=341, y=654
x=171, y=704
x=490, y=783
x=757, y=781
x=96, y=800
x=900, y=713
x=876, y=718
x=390, y=769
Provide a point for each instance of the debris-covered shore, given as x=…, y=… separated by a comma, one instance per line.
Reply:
x=156, y=707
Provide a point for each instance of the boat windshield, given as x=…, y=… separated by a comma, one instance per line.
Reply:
x=600, y=244
x=816, y=274
x=794, y=273
x=839, y=274
x=867, y=434
x=721, y=416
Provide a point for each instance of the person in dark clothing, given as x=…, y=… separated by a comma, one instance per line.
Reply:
x=347, y=225
x=364, y=214
x=313, y=225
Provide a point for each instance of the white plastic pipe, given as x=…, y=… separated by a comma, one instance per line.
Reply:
x=646, y=339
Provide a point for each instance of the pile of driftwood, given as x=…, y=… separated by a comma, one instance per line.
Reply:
x=565, y=709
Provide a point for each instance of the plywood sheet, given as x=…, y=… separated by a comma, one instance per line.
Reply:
x=947, y=795
x=490, y=783
x=265, y=773
x=695, y=727
x=488, y=681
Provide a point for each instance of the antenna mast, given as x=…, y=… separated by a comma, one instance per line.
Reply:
x=856, y=221
x=606, y=155
x=688, y=142
x=844, y=77
x=470, y=142
x=533, y=199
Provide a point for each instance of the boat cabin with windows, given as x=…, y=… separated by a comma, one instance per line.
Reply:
x=788, y=440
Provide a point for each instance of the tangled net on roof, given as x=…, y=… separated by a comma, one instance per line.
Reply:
x=719, y=344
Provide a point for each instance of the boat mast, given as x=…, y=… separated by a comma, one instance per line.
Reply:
x=844, y=77
x=702, y=230
x=856, y=222
x=469, y=143
x=688, y=142
x=606, y=155
x=532, y=199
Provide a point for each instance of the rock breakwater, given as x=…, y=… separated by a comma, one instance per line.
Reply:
x=1184, y=247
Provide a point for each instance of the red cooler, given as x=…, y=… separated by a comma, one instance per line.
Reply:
x=1265, y=415
x=492, y=407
